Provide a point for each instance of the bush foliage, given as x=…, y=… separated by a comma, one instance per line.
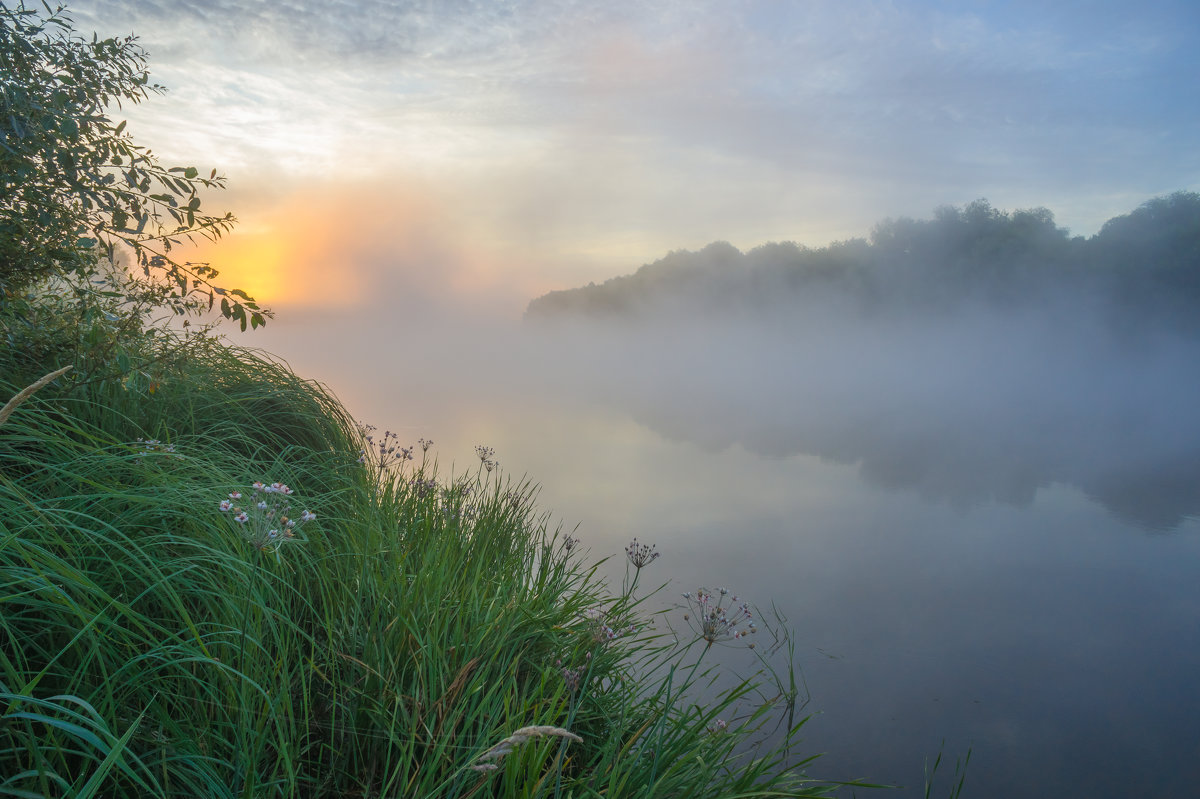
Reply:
x=75, y=189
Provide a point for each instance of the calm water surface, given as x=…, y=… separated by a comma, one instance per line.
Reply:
x=987, y=557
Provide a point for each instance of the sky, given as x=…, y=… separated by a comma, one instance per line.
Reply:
x=474, y=154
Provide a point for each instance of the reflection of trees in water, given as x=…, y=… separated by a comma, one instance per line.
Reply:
x=1155, y=496
x=998, y=465
x=996, y=425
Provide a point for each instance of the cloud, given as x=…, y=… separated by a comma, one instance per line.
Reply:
x=641, y=128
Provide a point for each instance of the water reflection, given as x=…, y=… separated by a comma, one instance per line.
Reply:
x=963, y=413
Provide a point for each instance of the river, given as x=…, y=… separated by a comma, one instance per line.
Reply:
x=985, y=533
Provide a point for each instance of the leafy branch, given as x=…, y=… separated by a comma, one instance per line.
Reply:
x=74, y=186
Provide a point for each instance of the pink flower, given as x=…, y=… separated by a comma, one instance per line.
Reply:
x=242, y=517
x=236, y=495
x=226, y=505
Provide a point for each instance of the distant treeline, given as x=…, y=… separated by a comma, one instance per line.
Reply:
x=1145, y=264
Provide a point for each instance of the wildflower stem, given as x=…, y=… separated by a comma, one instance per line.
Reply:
x=576, y=696
x=243, y=695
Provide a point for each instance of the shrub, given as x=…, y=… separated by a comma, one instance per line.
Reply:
x=75, y=188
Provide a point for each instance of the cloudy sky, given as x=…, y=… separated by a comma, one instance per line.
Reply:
x=482, y=153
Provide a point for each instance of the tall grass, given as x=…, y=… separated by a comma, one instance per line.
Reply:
x=152, y=645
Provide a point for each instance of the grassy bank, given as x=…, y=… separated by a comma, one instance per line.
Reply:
x=163, y=632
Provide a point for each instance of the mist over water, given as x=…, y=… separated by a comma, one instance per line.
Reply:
x=982, y=525
x=980, y=518
x=965, y=409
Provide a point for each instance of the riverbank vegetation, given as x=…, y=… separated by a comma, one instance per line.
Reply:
x=214, y=582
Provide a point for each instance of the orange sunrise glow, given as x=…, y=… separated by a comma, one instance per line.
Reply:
x=290, y=254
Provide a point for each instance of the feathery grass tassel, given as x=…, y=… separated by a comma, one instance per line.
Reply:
x=516, y=739
x=28, y=392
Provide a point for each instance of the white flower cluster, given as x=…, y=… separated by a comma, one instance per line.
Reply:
x=152, y=446
x=266, y=522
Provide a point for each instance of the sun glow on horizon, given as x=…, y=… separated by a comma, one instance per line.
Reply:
x=255, y=264
x=288, y=253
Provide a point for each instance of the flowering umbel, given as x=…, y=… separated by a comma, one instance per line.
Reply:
x=720, y=619
x=602, y=627
x=266, y=521
x=386, y=453
x=640, y=554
